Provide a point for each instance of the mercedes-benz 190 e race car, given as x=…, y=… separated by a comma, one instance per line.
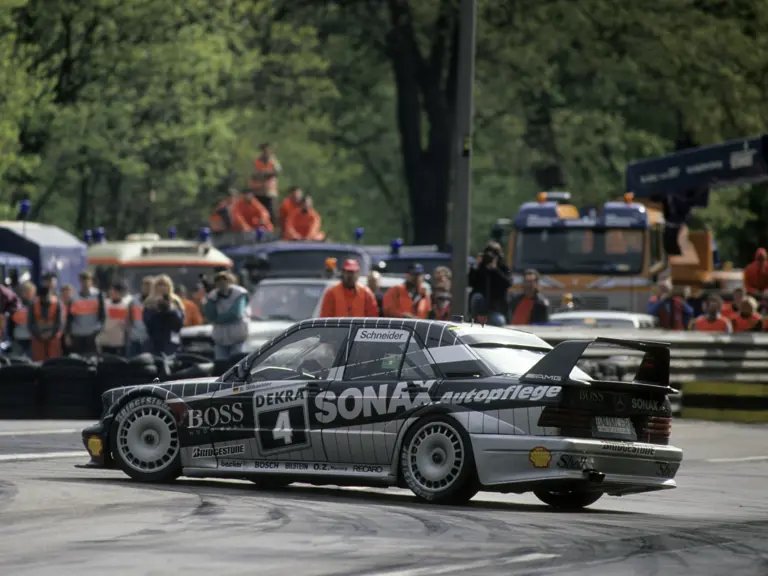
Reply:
x=444, y=409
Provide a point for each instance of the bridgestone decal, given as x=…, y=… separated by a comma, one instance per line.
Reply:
x=629, y=449
x=223, y=451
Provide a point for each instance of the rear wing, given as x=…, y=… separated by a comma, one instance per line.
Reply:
x=555, y=367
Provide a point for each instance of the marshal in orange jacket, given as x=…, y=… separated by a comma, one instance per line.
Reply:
x=252, y=213
x=301, y=225
x=338, y=302
x=719, y=324
x=398, y=302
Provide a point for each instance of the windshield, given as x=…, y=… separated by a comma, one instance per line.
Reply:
x=506, y=360
x=579, y=250
x=400, y=264
x=594, y=322
x=285, y=301
x=187, y=276
x=307, y=260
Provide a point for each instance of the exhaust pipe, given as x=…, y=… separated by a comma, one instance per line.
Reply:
x=594, y=476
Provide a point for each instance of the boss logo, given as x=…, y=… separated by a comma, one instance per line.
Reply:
x=216, y=416
x=591, y=396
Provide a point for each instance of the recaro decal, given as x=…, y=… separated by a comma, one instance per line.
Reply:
x=371, y=401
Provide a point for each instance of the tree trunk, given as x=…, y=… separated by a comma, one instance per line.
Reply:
x=539, y=136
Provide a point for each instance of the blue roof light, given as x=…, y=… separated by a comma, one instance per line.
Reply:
x=100, y=235
x=396, y=244
x=172, y=232
x=24, y=208
x=88, y=236
x=260, y=233
x=205, y=234
x=359, y=233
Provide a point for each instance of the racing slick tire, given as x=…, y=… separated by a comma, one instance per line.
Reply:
x=437, y=462
x=145, y=440
x=567, y=500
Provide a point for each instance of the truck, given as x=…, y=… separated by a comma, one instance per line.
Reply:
x=610, y=257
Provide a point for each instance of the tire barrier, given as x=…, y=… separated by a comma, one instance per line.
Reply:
x=720, y=377
x=71, y=387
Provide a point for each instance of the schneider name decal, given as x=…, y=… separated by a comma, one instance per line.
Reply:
x=516, y=392
x=381, y=335
x=199, y=452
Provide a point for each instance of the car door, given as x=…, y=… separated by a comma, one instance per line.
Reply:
x=269, y=421
x=359, y=410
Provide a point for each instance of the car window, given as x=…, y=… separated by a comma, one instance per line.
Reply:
x=311, y=351
x=416, y=365
x=376, y=354
x=285, y=300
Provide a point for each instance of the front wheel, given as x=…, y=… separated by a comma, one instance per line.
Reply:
x=567, y=500
x=145, y=440
x=437, y=461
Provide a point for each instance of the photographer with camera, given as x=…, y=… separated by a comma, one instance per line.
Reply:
x=164, y=318
x=489, y=282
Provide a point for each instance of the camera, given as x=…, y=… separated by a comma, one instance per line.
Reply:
x=488, y=257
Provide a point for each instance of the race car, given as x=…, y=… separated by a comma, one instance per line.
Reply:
x=445, y=409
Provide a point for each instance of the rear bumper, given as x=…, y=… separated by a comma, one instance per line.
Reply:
x=96, y=442
x=520, y=463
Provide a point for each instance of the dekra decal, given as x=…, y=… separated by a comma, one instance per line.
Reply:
x=280, y=397
x=516, y=392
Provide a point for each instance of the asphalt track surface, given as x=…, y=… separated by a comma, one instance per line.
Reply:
x=59, y=520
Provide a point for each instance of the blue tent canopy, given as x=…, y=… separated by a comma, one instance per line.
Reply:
x=14, y=260
x=48, y=248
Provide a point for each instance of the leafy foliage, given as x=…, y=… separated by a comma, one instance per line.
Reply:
x=139, y=115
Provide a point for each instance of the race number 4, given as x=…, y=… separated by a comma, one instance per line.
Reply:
x=283, y=429
x=281, y=419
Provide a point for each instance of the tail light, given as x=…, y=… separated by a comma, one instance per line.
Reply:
x=654, y=429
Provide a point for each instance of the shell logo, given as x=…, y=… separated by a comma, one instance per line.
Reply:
x=540, y=457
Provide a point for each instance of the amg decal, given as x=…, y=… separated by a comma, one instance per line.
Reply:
x=543, y=377
x=199, y=452
x=629, y=449
x=278, y=398
x=223, y=415
x=516, y=392
x=369, y=401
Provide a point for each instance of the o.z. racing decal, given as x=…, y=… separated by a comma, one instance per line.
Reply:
x=360, y=404
x=281, y=418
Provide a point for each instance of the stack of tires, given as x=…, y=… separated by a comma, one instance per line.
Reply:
x=68, y=387
x=19, y=388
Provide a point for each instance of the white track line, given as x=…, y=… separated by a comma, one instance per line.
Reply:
x=744, y=459
x=42, y=456
x=463, y=568
x=38, y=432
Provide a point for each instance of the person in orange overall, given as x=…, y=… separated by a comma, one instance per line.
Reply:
x=248, y=214
x=348, y=299
x=748, y=320
x=409, y=299
x=304, y=223
x=220, y=219
x=263, y=180
x=732, y=309
x=45, y=325
x=192, y=314
x=756, y=274
x=291, y=203
x=713, y=321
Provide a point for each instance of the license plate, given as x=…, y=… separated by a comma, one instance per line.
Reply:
x=617, y=426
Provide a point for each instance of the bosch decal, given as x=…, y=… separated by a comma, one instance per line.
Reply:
x=629, y=449
x=369, y=401
x=516, y=392
x=200, y=452
x=266, y=465
x=224, y=415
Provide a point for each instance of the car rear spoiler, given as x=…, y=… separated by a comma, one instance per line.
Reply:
x=556, y=366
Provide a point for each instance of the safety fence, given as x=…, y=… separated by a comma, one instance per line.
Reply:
x=719, y=377
x=71, y=387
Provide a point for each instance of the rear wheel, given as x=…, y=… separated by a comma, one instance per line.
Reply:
x=437, y=461
x=568, y=499
x=145, y=441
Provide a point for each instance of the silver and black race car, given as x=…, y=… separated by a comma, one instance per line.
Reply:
x=445, y=409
